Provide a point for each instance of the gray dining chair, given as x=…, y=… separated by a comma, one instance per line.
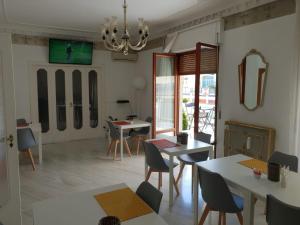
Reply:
x=25, y=142
x=280, y=213
x=141, y=134
x=157, y=163
x=285, y=160
x=191, y=159
x=115, y=139
x=150, y=195
x=218, y=197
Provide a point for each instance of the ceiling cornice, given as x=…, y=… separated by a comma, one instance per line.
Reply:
x=215, y=15
x=30, y=29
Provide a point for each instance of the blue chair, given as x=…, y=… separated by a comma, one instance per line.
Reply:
x=150, y=195
x=280, y=213
x=157, y=163
x=141, y=134
x=191, y=159
x=115, y=139
x=285, y=160
x=218, y=197
x=25, y=142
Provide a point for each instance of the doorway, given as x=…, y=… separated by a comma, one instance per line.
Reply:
x=190, y=83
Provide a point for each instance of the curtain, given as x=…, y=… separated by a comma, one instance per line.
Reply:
x=165, y=81
x=295, y=111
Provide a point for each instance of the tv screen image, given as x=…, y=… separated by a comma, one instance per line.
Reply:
x=70, y=52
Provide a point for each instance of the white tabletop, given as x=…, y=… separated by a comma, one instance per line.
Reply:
x=192, y=146
x=242, y=176
x=133, y=124
x=82, y=209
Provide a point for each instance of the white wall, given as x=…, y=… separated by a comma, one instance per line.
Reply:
x=117, y=76
x=274, y=39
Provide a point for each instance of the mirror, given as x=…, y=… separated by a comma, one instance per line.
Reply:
x=252, y=78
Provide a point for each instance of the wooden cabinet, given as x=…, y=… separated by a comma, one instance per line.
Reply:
x=249, y=139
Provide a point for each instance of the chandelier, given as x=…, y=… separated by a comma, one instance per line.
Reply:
x=114, y=41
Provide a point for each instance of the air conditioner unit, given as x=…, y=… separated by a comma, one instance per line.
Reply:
x=120, y=56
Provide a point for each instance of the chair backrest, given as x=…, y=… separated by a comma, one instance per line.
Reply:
x=204, y=137
x=150, y=195
x=285, y=160
x=153, y=157
x=279, y=213
x=21, y=122
x=146, y=130
x=113, y=131
x=215, y=192
x=25, y=139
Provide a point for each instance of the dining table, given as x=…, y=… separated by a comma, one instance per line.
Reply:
x=241, y=178
x=80, y=208
x=192, y=146
x=123, y=125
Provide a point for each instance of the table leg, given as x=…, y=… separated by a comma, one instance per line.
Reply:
x=150, y=132
x=248, y=208
x=40, y=148
x=171, y=181
x=195, y=193
x=121, y=144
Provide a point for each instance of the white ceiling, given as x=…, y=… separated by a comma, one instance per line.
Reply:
x=88, y=15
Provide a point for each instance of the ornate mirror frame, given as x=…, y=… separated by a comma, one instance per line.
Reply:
x=261, y=84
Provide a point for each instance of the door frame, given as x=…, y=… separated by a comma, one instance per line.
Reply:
x=10, y=213
x=54, y=135
x=197, y=90
x=175, y=129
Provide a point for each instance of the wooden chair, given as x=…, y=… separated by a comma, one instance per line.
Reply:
x=141, y=134
x=115, y=140
x=157, y=163
x=218, y=197
x=25, y=142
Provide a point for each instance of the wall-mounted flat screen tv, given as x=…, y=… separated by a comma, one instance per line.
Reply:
x=70, y=52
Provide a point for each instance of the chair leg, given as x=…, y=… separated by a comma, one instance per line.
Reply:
x=116, y=147
x=224, y=218
x=240, y=217
x=159, y=180
x=204, y=215
x=182, y=165
x=109, y=147
x=176, y=187
x=148, y=175
x=138, y=145
x=31, y=158
x=127, y=148
x=220, y=219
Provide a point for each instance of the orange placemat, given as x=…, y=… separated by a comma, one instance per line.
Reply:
x=123, y=203
x=120, y=123
x=164, y=143
x=255, y=163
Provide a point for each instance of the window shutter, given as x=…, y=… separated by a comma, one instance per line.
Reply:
x=208, y=65
x=187, y=63
x=209, y=62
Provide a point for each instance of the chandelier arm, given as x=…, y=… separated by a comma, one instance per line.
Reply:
x=139, y=46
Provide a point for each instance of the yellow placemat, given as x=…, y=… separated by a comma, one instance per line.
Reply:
x=123, y=203
x=255, y=163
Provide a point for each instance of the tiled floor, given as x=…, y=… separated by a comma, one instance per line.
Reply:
x=83, y=165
